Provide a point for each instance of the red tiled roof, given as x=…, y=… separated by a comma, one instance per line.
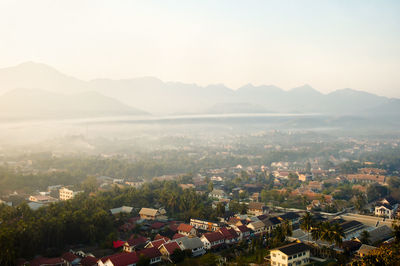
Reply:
x=213, y=236
x=158, y=243
x=70, y=257
x=134, y=219
x=127, y=227
x=118, y=243
x=122, y=259
x=137, y=241
x=157, y=225
x=46, y=261
x=177, y=236
x=158, y=236
x=185, y=228
x=243, y=228
x=233, y=232
x=150, y=253
x=171, y=247
x=89, y=261
x=225, y=232
x=233, y=220
x=173, y=227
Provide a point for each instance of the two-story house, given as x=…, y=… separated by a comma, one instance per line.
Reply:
x=152, y=214
x=256, y=208
x=291, y=255
x=187, y=230
x=230, y=235
x=386, y=207
x=212, y=240
x=194, y=244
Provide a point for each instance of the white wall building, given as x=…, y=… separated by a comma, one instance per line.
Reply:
x=291, y=255
x=67, y=194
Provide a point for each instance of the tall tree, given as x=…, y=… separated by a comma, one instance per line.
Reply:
x=306, y=224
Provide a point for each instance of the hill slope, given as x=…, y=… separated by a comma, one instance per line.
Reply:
x=155, y=96
x=36, y=103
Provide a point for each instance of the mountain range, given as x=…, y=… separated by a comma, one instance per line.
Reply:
x=38, y=90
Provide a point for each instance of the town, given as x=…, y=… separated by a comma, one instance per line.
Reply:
x=312, y=211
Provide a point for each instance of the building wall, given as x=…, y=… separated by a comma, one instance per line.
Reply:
x=279, y=258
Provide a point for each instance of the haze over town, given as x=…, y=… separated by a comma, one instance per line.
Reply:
x=199, y=133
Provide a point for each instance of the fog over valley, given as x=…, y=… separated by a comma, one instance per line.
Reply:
x=201, y=133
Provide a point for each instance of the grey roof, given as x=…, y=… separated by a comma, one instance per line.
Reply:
x=189, y=243
x=256, y=225
x=351, y=225
x=271, y=221
x=380, y=234
x=123, y=209
x=294, y=248
x=390, y=200
x=35, y=205
x=387, y=206
x=366, y=248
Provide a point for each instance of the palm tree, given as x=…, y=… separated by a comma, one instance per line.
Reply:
x=316, y=233
x=282, y=231
x=337, y=234
x=329, y=233
x=306, y=224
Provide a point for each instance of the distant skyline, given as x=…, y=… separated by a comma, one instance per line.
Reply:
x=328, y=44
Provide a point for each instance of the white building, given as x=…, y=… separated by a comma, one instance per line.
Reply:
x=195, y=245
x=258, y=227
x=67, y=194
x=212, y=240
x=386, y=208
x=217, y=193
x=291, y=255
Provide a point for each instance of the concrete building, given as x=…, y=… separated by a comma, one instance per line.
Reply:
x=290, y=255
x=67, y=194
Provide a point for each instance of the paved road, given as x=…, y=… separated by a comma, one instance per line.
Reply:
x=367, y=220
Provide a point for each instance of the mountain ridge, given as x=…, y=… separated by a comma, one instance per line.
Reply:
x=158, y=97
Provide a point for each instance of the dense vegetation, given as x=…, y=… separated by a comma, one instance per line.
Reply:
x=87, y=220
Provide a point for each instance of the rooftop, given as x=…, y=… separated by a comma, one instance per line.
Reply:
x=293, y=248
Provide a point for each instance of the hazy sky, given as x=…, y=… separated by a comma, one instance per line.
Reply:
x=328, y=44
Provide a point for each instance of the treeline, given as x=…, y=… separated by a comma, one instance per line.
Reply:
x=87, y=220
x=11, y=180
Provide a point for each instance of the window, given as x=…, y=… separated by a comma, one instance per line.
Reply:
x=283, y=257
x=290, y=258
x=273, y=255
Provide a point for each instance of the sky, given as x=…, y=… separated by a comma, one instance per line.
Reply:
x=327, y=44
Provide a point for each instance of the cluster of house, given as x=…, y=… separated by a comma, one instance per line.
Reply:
x=43, y=198
x=194, y=238
x=198, y=236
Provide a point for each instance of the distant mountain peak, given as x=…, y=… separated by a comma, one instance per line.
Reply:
x=306, y=88
x=35, y=66
x=250, y=86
